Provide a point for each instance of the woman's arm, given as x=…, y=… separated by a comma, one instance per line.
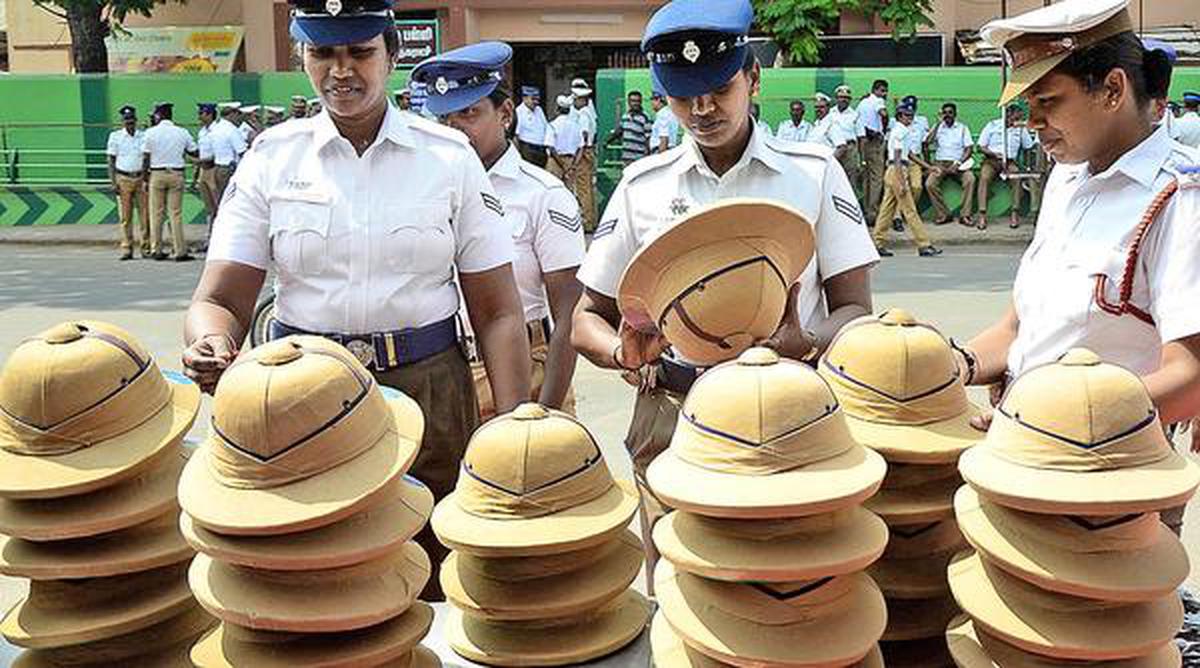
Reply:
x=499, y=325
x=605, y=340
x=1175, y=387
x=563, y=291
x=990, y=351
x=218, y=319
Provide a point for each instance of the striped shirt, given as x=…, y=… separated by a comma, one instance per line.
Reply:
x=636, y=129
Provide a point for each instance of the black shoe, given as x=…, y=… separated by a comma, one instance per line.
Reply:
x=183, y=258
x=898, y=225
x=883, y=252
x=159, y=257
x=126, y=256
x=929, y=251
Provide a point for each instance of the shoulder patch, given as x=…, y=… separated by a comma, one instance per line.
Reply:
x=567, y=222
x=541, y=176
x=492, y=203
x=605, y=228
x=1188, y=176
x=848, y=209
x=654, y=162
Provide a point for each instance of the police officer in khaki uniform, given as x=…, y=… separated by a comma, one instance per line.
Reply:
x=364, y=252
x=699, y=55
x=1112, y=267
x=164, y=154
x=466, y=89
x=125, y=173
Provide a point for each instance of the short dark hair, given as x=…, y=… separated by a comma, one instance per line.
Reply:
x=632, y=93
x=950, y=105
x=499, y=95
x=879, y=83
x=391, y=40
x=797, y=102
x=1149, y=72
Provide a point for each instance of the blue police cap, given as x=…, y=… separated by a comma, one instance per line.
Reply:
x=906, y=108
x=127, y=111
x=458, y=79
x=909, y=100
x=1150, y=44
x=164, y=106
x=339, y=22
x=1191, y=98
x=696, y=46
x=207, y=107
x=531, y=91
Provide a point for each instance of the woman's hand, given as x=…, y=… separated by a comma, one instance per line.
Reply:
x=207, y=358
x=638, y=348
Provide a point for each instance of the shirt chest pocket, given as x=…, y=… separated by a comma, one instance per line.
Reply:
x=419, y=238
x=299, y=232
x=1070, y=293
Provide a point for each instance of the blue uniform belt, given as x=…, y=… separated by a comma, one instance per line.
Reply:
x=675, y=376
x=383, y=351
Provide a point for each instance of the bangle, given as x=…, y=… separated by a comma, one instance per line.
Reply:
x=616, y=358
x=971, y=360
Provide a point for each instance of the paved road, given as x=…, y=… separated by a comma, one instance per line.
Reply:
x=40, y=286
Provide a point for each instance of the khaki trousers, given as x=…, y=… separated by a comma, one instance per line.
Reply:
x=990, y=170
x=850, y=161
x=539, y=349
x=441, y=386
x=654, y=418
x=221, y=174
x=131, y=194
x=166, y=196
x=916, y=181
x=875, y=155
x=944, y=169
x=584, y=187
x=894, y=198
x=207, y=181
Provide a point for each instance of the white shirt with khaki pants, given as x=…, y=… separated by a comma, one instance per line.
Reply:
x=166, y=144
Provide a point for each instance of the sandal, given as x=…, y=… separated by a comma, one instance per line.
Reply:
x=983, y=223
x=1014, y=223
x=966, y=221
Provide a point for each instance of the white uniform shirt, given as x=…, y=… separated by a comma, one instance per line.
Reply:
x=127, y=149
x=666, y=124
x=204, y=143
x=899, y=139
x=564, y=135
x=1085, y=227
x=358, y=244
x=819, y=133
x=916, y=138
x=547, y=231
x=166, y=144
x=791, y=131
x=993, y=137
x=1187, y=129
x=655, y=192
x=531, y=125
x=843, y=126
x=951, y=141
x=228, y=143
x=869, y=117
x=247, y=131
x=586, y=119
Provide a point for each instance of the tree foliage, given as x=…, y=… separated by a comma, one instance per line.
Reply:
x=797, y=25
x=90, y=21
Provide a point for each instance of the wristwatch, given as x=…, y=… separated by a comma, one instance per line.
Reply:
x=814, y=351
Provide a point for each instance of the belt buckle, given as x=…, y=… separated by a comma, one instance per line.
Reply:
x=363, y=351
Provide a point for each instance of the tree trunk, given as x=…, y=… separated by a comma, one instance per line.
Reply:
x=87, y=36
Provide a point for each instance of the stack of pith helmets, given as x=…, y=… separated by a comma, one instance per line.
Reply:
x=1071, y=564
x=300, y=508
x=763, y=560
x=898, y=383
x=91, y=448
x=541, y=558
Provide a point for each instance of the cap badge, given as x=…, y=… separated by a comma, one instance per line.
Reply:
x=333, y=7
x=691, y=51
x=441, y=86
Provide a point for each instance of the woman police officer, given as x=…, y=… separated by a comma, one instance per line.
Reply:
x=466, y=89
x=699, y=55
x=1114, y=263
x=364, y=252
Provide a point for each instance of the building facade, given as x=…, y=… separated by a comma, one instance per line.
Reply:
x=554, y=39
